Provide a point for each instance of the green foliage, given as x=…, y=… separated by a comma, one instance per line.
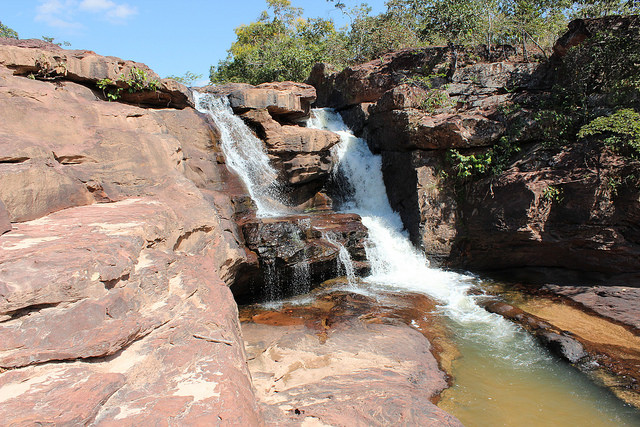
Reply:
x=471, y=166
x=552, y=194
x=277, y=47
x=187, y=78
x=7, y=32
x=136, y=81
x=109, y=89
x=52, y=40
x=494, y=161
x=621, y=131
x=139, y=81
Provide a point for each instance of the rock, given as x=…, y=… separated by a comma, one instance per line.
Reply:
x=301, y=155
x=512, y=221
x=367, y=82
x=581, y=29
x=284, y=100
x=418, y=192
x=618, y=303
x=309, y=364
x=62, y=396
x=296, y=252
x=412, y=129
x=48, y=61
x=33, y=189
x=563, y=346
x=5, y=222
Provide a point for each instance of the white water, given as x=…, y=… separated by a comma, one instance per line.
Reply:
x=244, y=153
x=344, y=259
x=394, y=261
x=500, y=365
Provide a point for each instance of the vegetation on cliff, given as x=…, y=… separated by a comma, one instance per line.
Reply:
x=282, y=45
x=7, y=32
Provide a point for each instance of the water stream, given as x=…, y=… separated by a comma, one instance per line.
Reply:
x=503, y=376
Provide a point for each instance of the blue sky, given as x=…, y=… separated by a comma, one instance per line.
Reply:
x=171, y=37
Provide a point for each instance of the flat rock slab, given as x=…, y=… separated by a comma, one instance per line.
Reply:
x=619, y=303
x=333, y=363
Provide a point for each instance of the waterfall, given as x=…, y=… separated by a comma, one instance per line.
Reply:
x=395, y=263
x=245, y=154
x=344, y=259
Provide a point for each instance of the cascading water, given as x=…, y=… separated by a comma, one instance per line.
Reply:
x=345, y=264
x=498, y=358
x=244, y=153
x=503, y=377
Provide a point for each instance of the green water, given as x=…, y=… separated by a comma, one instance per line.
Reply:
x=515, y=382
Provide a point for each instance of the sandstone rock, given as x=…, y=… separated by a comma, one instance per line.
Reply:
x=309, y=364
x=300, y=154
x=564, y=346
x=298, y=251
x=32, y=189
x=581, y=29
x=5, y=222
x=418, y=192
x=70, y=396
x=367, y=82
x=619, y=303
x=49, y=61
x=285, y=100
x=585, y=228
x=410, y=129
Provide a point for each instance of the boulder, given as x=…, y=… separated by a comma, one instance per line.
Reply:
x=284, y=100
x=413, y=129
x=49, y=61
x=300, y=154
x=296, y=252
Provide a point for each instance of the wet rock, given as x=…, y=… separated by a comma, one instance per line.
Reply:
x=48, y=61
x=296, y=252
x=309, y=363
x=417, y=190
x=566, y=347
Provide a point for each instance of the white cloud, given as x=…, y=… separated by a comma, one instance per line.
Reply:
x=64, y=13
x=96, y=5
x=57, y=13
x=122, y=11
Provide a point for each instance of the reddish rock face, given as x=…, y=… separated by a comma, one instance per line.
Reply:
x=113, y=302
x=48, y=61
x=309, y=362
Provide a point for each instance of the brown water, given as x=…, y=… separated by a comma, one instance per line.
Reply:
x=501, y=376
x=527, y=387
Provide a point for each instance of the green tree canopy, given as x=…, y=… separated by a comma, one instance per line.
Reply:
x=278, y=46
x=7, y=32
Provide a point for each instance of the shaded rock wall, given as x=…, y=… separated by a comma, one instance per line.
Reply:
x=499, y=222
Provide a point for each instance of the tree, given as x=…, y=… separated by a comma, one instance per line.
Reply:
x=277, y=47
x=7, y=32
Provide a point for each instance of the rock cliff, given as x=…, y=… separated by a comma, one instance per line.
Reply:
x=124, y=240
x=569, y=206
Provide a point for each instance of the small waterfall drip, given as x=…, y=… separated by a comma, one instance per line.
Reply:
x=345, y=263
x=245, y=154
